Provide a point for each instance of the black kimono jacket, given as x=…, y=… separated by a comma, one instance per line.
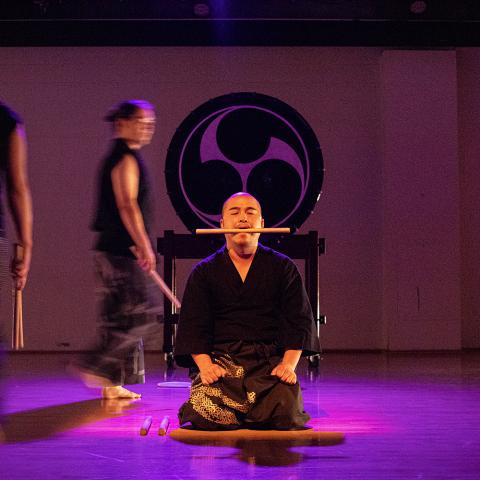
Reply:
x=271, y=306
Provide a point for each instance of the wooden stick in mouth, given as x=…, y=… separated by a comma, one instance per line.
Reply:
x=221, y=231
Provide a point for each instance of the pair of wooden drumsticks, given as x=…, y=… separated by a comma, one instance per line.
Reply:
x=17, y=330
x=147, y=423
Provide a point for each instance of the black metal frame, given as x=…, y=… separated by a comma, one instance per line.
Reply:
x=173, y=246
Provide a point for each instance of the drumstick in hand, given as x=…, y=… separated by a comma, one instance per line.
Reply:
x=17, y=331
x=161, y=283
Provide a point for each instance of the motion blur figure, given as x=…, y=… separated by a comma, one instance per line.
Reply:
x=123, y=255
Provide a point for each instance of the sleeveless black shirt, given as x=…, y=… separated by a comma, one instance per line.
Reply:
x=113, y=237
x=8, y=122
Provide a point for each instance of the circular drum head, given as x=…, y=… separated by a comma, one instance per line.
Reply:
x=244, y=142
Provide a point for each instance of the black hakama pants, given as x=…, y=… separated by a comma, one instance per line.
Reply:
x=248, y=396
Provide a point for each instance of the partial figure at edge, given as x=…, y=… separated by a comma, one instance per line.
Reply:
x=13, y=175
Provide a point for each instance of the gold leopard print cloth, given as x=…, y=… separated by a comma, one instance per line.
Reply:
x=216, y=406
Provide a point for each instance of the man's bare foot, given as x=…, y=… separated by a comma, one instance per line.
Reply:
x=118, y=392
x=88, y=378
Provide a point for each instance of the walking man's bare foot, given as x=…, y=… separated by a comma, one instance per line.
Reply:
x=118, y=392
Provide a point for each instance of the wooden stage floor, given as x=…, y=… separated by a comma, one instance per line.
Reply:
x=404, y=416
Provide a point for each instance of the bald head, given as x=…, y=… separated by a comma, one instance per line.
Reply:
x=241, y=197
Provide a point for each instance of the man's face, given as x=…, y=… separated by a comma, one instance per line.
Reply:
x=242, y=211
x=140, y=128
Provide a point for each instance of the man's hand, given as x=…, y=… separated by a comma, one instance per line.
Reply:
x=209, y=372
x=20, y=267
x=285, y=373
x=146, y=259
x=19, y=272
x=212, y=374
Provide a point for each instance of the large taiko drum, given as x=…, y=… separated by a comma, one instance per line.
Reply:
x=244, y=142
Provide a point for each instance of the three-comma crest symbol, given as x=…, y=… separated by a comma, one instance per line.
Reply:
x=244, y=142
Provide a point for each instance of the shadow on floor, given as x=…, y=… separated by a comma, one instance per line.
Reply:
x=45, y=422
x=265, y=448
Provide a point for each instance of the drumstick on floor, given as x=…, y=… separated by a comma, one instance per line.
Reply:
x=147, y=423
x=162, y=431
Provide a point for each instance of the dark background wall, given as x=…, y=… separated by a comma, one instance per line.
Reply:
x=399, y=204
